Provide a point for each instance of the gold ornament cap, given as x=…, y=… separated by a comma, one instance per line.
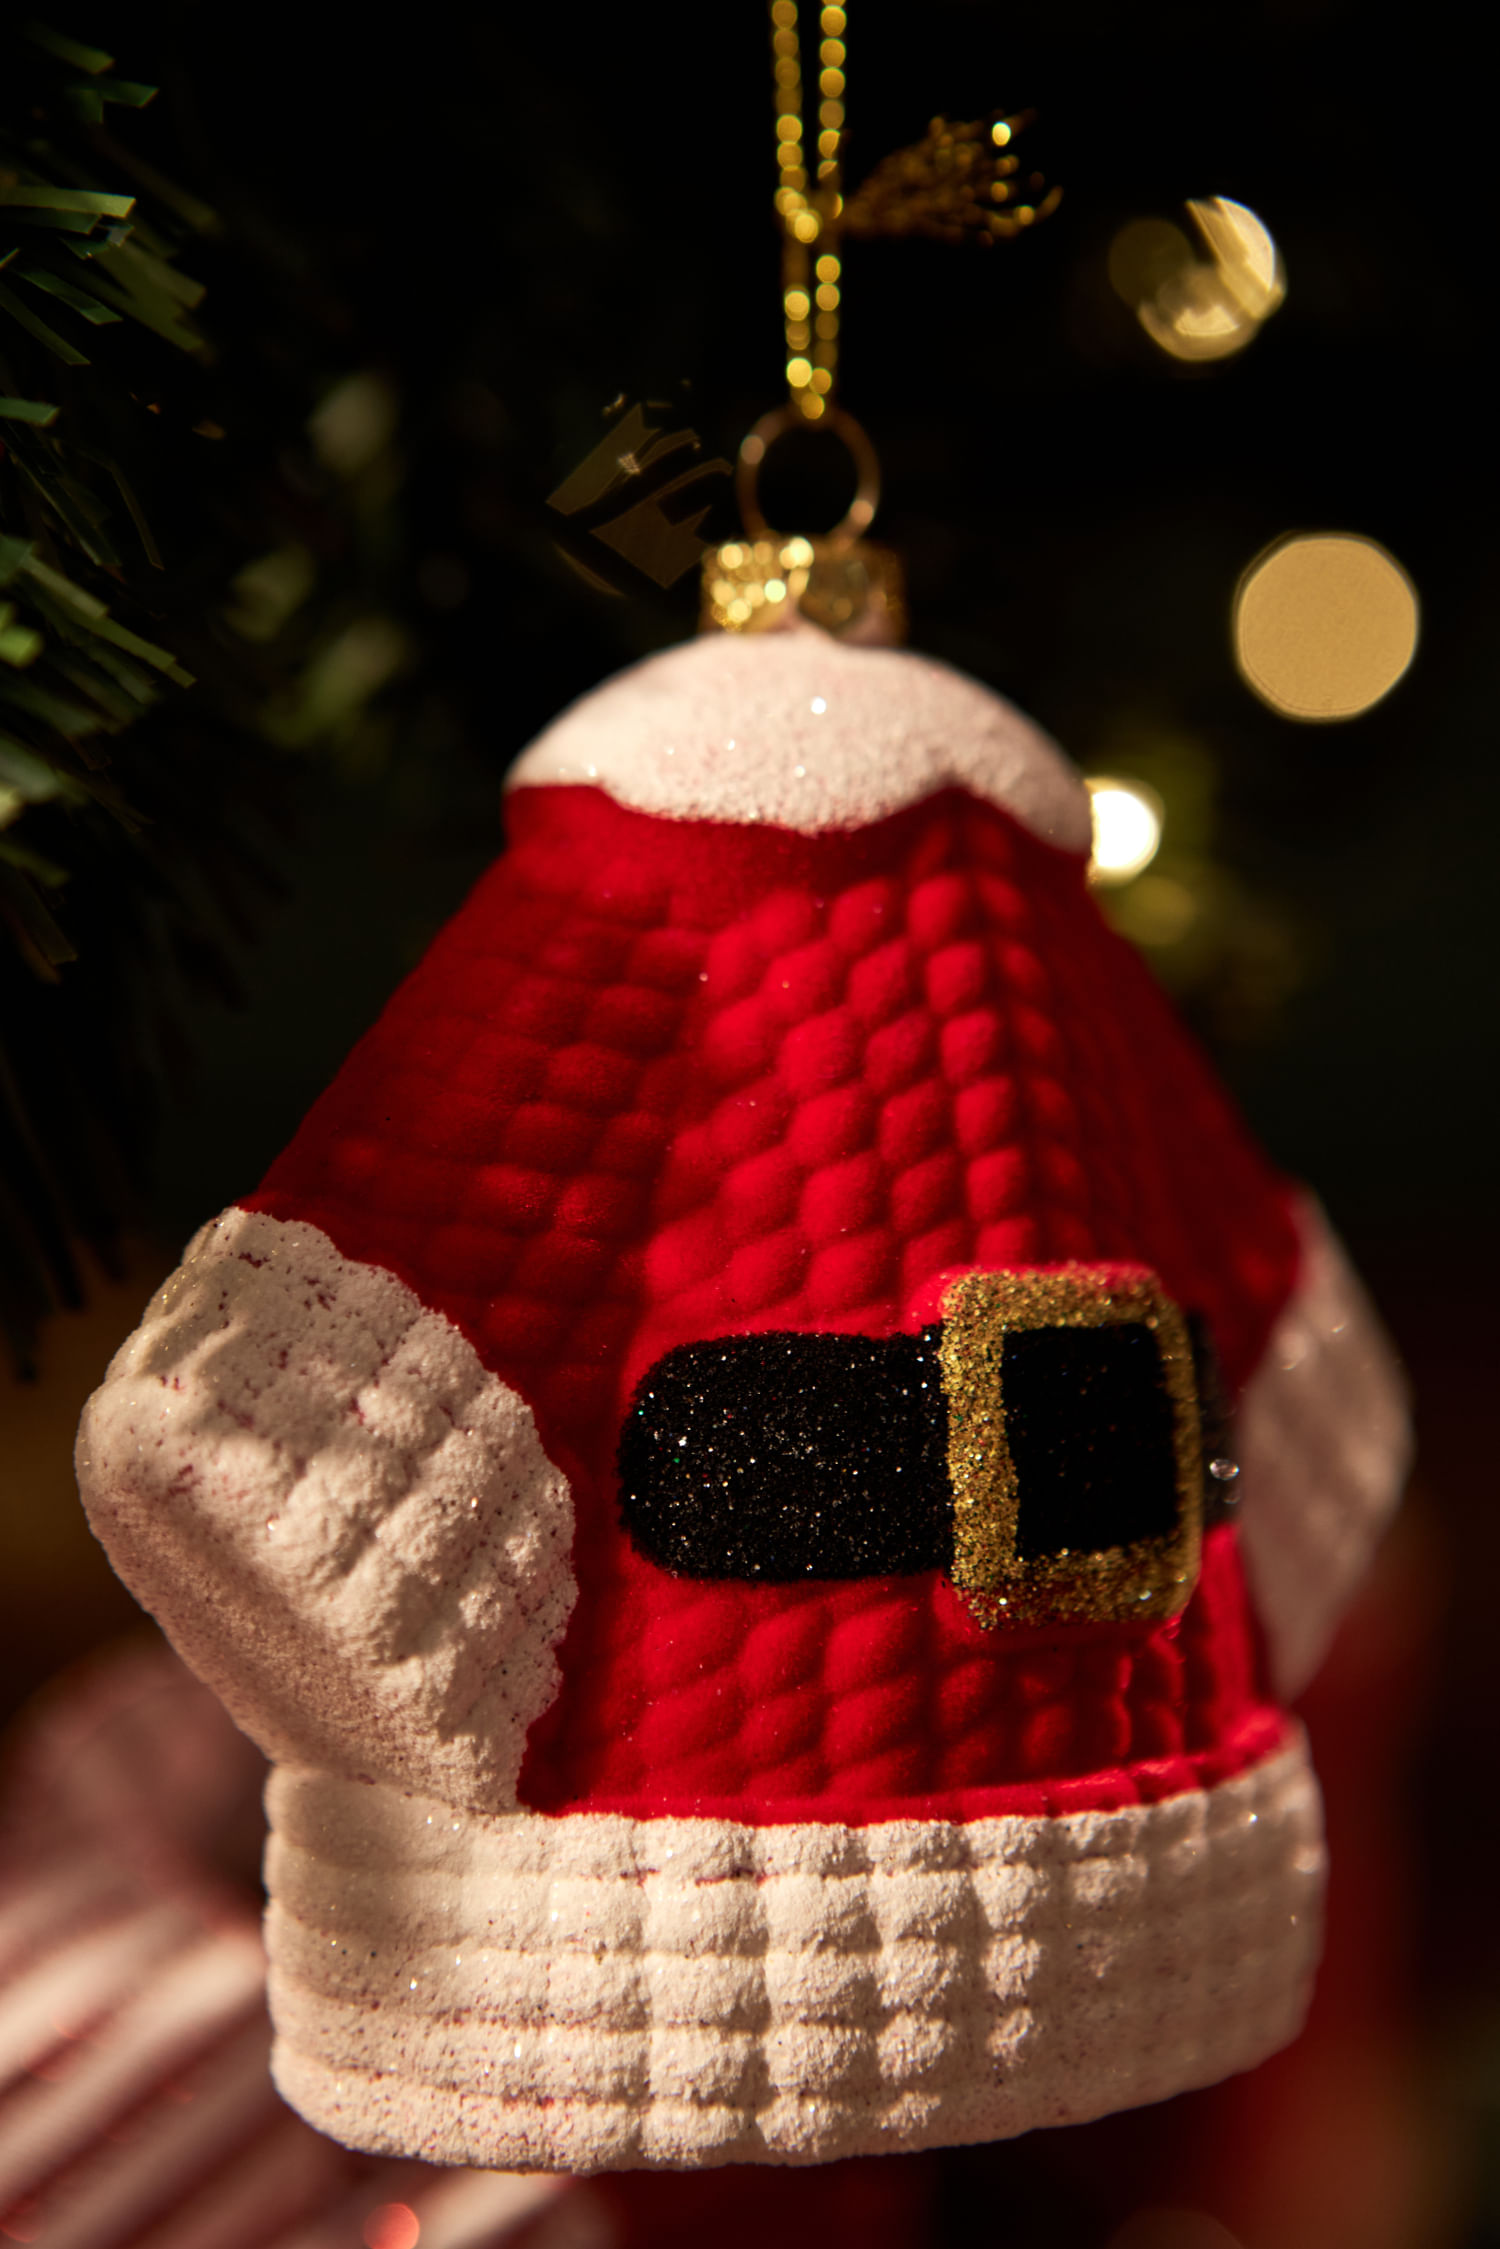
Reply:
x=851, y=588
x=841, y=582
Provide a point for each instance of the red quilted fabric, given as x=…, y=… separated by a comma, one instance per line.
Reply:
x=662, y=1080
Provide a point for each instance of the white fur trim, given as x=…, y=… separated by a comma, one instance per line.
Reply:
x=808, y=732
x=593, y=1992
x=346, y=1524
x=1324, y=1445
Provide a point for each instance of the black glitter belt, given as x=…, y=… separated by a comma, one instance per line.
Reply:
x=1049, y=1444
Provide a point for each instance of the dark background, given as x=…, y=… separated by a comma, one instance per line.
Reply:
x=516, y=216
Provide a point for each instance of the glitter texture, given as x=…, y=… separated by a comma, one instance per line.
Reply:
x=787, y=1456
x=1151, y=1576
x=1045, y=1447
x=726, y=728
x=1216, y=1426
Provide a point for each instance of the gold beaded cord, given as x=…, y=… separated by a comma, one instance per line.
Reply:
x=811, y=269
x=957, y=184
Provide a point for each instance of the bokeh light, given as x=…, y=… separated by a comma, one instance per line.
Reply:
x=391, y=2225
x=1127, y=828
x=1324, y=625
x=1247, y=261
x=1203, y=300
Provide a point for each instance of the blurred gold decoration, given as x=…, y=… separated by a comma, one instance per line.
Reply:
x=958, y=184
x=842, y=582
x=625, y=467
x=1248, y=263
x=1128, y=818
x=851, y=587
x=810, y=211
x=850, y=433
x=1204, y=301
x=1324, y=625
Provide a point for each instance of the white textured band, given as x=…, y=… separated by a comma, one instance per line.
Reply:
x=807, y=732
x=1324, y=1444
x=594, y=1991
x=345, y=1522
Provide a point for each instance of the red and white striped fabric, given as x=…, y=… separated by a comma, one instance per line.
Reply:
x=136, y=2102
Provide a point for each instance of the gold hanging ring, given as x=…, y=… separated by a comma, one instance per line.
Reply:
x=773, y=426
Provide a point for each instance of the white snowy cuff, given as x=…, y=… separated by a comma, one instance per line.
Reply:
x=1324, y=1447
x=346, y=1524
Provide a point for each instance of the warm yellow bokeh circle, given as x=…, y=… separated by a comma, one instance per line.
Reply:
x=1325, y=623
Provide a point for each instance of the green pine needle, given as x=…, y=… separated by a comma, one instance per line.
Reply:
x=30, y=777
x=71, y=51
x=77, y=300
x=58, y=345
x=92, y=202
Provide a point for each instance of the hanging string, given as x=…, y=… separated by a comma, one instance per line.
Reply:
x=810, y=208
x=959, y=183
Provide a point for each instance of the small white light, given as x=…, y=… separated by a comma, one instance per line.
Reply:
x=818, y=705
x=1127, y=827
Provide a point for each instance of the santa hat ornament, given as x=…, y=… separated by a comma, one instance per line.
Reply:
x=765, y=1463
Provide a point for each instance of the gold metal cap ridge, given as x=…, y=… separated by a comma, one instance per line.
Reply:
x=852, y=588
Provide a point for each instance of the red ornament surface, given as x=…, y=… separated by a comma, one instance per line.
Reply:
x=664, y=1080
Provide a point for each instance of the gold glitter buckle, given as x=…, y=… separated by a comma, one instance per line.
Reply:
x=1148, y=1579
